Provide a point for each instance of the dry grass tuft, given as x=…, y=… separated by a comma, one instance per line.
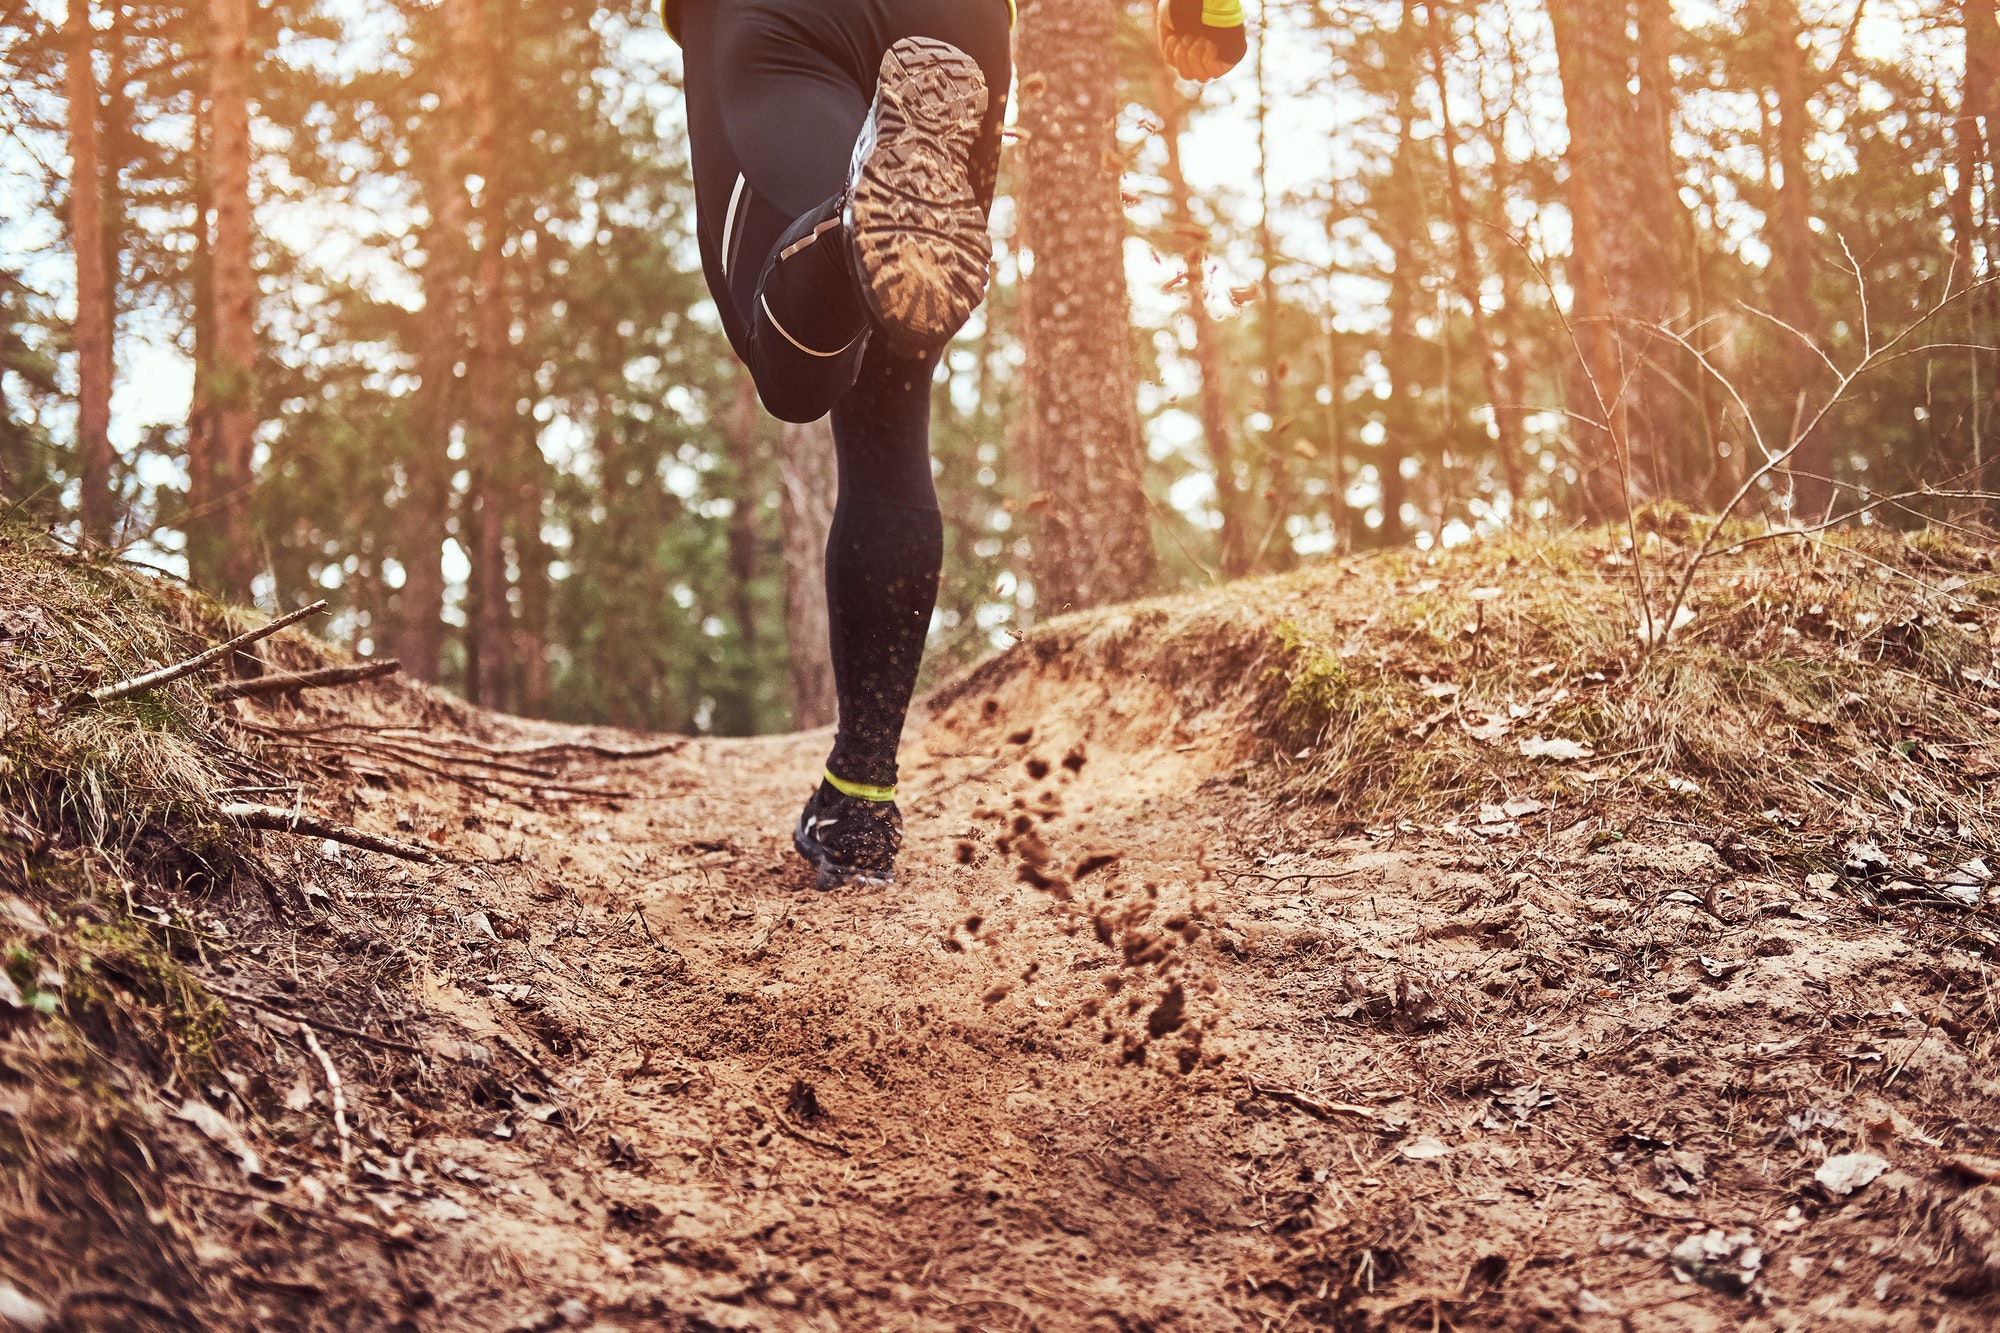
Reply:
x=107, y=812
x=1820, y=688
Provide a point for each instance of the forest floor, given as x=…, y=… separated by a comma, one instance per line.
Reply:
x=1147, y=1037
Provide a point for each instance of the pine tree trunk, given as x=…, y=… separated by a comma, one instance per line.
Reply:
x=809, y=480
x=427, y=499
x=1093, y=543
x=1591, y=49
x=1472, y=276
x=93, y=332
x=1975, y=153
x=531, y=632
x=489, y=441
x=1685, y=456
x=1402, y=219
x=1275, y=548
x=1792, y=269
x=1233, y=549
x=203, y=551
x=736, y=713
x=232, y=383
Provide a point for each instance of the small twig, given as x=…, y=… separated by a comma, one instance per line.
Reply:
x=105, y=694
x=339, y=1096
x=386, y=1043
x=296, y=1209
x=1312, y=1105
x=285, y=681
x=288, y=821
x=1308, y=878
x=531, y=751
x=521, y=1053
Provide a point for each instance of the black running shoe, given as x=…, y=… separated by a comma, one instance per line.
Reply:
x=849, y=840
x=914, y=219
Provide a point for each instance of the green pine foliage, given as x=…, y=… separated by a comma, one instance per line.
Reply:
x=1356, y=388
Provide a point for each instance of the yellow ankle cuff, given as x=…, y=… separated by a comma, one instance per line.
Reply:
x=861, y=791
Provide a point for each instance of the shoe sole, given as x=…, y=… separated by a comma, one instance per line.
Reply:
x=830, y=874
x=919, y=234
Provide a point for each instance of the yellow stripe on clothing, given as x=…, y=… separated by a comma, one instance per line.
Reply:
x=860, y=791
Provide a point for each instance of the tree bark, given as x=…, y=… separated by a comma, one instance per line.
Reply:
x=488, y=443
x=93, y=332
x=436, y=411
x=1975, y=151
x=1192, y=244
x=1401, y=219
x=1593, y=60
x=809, y=480
x=1982, y=84
x=203, y=552
x=1093, y=543
x=1277, y=464
x=232, y=377
x=1792, y=268
x=736, y=714
x=1472, y=276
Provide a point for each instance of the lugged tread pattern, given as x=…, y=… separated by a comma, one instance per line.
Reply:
x=923, y=253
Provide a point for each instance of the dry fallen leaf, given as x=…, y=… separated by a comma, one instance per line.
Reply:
x=1561, y=751
x=220, y=1130
x=1848, y=1172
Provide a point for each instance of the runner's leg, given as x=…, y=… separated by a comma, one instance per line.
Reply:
x=766, y=79
x=882, y=560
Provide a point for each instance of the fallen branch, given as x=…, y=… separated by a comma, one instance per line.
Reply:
x=531, y=751
x=1312, y=1105
x=521, y=1054
x=105, y=694
x=286, y=681
x=386, y=1043
x=287, y=821
x=339, y=1095
x=382, y=1234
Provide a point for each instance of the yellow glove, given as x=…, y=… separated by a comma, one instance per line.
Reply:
x=1202, y=39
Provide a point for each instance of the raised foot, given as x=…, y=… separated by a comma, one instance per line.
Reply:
x=919, y=232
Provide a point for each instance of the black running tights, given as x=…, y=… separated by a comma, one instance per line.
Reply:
x=777, y=91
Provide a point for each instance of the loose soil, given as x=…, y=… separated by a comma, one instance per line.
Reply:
x=1137, y=1042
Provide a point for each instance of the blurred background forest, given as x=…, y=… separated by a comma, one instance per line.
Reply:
x=396, y=302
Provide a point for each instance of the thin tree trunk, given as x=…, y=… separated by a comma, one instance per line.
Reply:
x=203, y=551
x=1982, y=85
x=1277, y=463
x=1193, y=247
x=492, y=404
x=93, y=332
x=531, y=632
x=1792, y=267
x=232, y=381
x=1472, y=276
x=1589, y=49
x=737, y=711
x=1678, y=395
x=809, y=480
x=1093, y=543
x=1402, y=219
x=427, y=498
x=1337, y=513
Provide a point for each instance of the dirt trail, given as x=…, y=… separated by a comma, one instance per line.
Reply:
x=1131, y=1047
